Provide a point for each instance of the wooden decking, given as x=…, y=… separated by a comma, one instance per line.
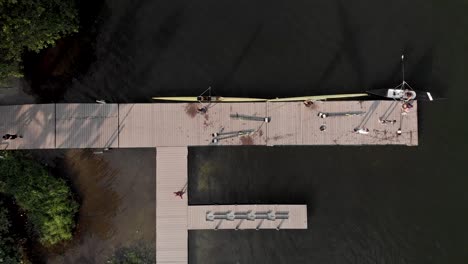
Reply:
x=172, y=127
x=171, y=211
x=174, y=218
x=180, y=125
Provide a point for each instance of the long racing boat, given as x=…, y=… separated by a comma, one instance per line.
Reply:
x=207, y=99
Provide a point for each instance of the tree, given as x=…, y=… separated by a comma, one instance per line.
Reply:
x=32, y=25
x=47, y=200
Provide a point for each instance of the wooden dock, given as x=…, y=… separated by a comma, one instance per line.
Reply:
x=172, y=127
x=174, y=217
x=49, y=126
x=171, y=211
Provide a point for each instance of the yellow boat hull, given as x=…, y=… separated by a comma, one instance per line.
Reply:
x=219, y=99
x=216, y=99
x=318, y=97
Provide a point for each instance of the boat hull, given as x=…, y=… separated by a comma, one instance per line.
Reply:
x=420, y=95
x=318, y=97
x=217, y=99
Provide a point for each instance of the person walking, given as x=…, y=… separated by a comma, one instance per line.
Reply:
x=180, y=194
x=11, y=136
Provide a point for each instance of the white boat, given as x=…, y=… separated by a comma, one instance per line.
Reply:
x=403, y=92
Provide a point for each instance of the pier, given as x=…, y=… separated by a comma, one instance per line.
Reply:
x=48, y=126
x=174, y=217
x=172, y=127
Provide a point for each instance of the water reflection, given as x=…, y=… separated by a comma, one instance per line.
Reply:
x=117, y=203
x=93, y=178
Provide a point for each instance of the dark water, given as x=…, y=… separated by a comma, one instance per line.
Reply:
x=366, y=204
x=117, y=205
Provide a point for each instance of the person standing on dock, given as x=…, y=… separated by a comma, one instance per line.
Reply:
x=11, y=136
x=406, y=107
x=181, y=192
x=202, y=110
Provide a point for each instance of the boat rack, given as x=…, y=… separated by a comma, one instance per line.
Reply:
x=249, y=216
x=225, y=135
x=251, y=118
x=339, y=114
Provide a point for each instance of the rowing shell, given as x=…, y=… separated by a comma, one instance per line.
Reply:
x=217, y=99
x=317, y=97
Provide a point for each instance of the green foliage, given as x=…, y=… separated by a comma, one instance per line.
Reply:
x=32, y=25
x=9, y=252
x=47, y=200
x=139, y=254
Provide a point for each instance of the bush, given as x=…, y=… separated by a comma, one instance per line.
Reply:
x=32, y=25
x=47, y=200
x=9, y=252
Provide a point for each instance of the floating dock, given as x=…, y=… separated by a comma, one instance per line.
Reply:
x=49, y=126
x=174, y=217
x=243, y=217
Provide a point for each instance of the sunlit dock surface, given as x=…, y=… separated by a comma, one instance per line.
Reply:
x=47, y=126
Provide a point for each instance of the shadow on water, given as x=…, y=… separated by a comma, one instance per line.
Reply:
x=109, y=187
x=93, y=178
x=50, y=72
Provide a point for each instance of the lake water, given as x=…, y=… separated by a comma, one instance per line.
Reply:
x=366, y=204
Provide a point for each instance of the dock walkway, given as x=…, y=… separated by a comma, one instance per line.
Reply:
x=174, y=217
x=171, y=211
x=48, y=126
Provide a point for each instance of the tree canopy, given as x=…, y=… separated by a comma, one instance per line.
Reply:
x=47, y=200
x=31, y=25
